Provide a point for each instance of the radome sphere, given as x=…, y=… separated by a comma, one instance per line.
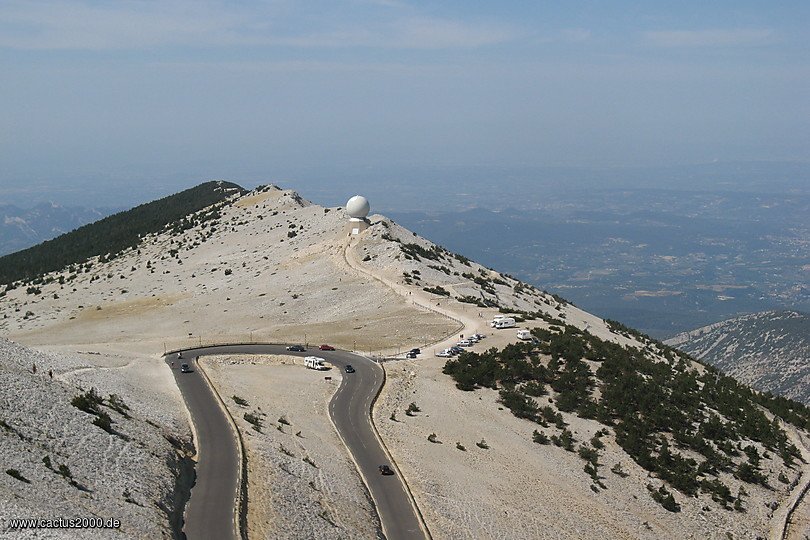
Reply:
x=358, y=207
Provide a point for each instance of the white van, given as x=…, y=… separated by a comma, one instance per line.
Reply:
x=524, y=335
x=506, y=322
x=314, y=362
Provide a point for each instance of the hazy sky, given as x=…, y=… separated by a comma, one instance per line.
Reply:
x=93, y=90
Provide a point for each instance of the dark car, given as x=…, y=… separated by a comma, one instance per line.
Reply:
x=349, y=369
x=326, y=348
x=296, y=348
x=185, y=369
x=385, y=470
x=416, y=351
x=410, y=355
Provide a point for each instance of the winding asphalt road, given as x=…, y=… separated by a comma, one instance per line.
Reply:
x=210, y=511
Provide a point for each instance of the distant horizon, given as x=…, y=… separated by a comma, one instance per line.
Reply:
x=125, y=192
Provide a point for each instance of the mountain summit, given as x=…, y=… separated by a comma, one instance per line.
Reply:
x=584, y=429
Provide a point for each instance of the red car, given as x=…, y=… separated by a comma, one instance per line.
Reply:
x=326, y=348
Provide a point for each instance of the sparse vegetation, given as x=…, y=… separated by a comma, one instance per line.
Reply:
x=90, y=402
x=461, y=447
x=540, y=437
x=254, y=420
x=14, y=473
x=284, y=451
x=437, y=290
x=618, y=471
x=117, y=404
x=412, y=409
x=432, y=438
x=480, y=302
x=417, y=252
x=114, y=234
x=240, y=401
x=648, y=402
x=663, y=497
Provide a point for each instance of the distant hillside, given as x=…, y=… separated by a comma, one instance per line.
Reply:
x=768, y=350
x=21, y=228
x=112, y=234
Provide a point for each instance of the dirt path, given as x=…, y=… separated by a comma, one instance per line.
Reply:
x=466, y=324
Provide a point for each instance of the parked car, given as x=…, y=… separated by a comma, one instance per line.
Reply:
x=296, y=348
x=410, y=355
x=349, y=369
x=326, y=348
x=185, y=369
x=416, y=351
x=464, y=343
x=385, y=470
x=456, y=350
x=445, y=353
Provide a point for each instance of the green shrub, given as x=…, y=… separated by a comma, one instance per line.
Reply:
x=117, y=404
x=540, y=437
x=438, y=290
x=64, y=471
x=254, y=420
x=104, y=421
x=239, y=401
x=14, y=473
x=565, y=440
x=88, y=402
x=663, y=497
x=618, y=471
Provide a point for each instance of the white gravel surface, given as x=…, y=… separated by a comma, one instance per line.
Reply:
x=129, y=476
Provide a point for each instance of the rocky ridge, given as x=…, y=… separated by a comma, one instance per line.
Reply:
x=768, y=350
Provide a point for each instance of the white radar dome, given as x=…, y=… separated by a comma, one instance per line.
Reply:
x=358, y=207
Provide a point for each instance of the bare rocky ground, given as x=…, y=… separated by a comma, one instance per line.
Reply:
x=301, y=480
x=275, y=268
x=526, y=490
x=68, y=467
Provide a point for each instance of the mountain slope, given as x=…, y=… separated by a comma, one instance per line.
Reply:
x=24, y=227
x=60, y=459
x=768, y=350
x=112, y=234
x=271, y=266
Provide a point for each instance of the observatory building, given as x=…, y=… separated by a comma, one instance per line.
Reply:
x=358, y=208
